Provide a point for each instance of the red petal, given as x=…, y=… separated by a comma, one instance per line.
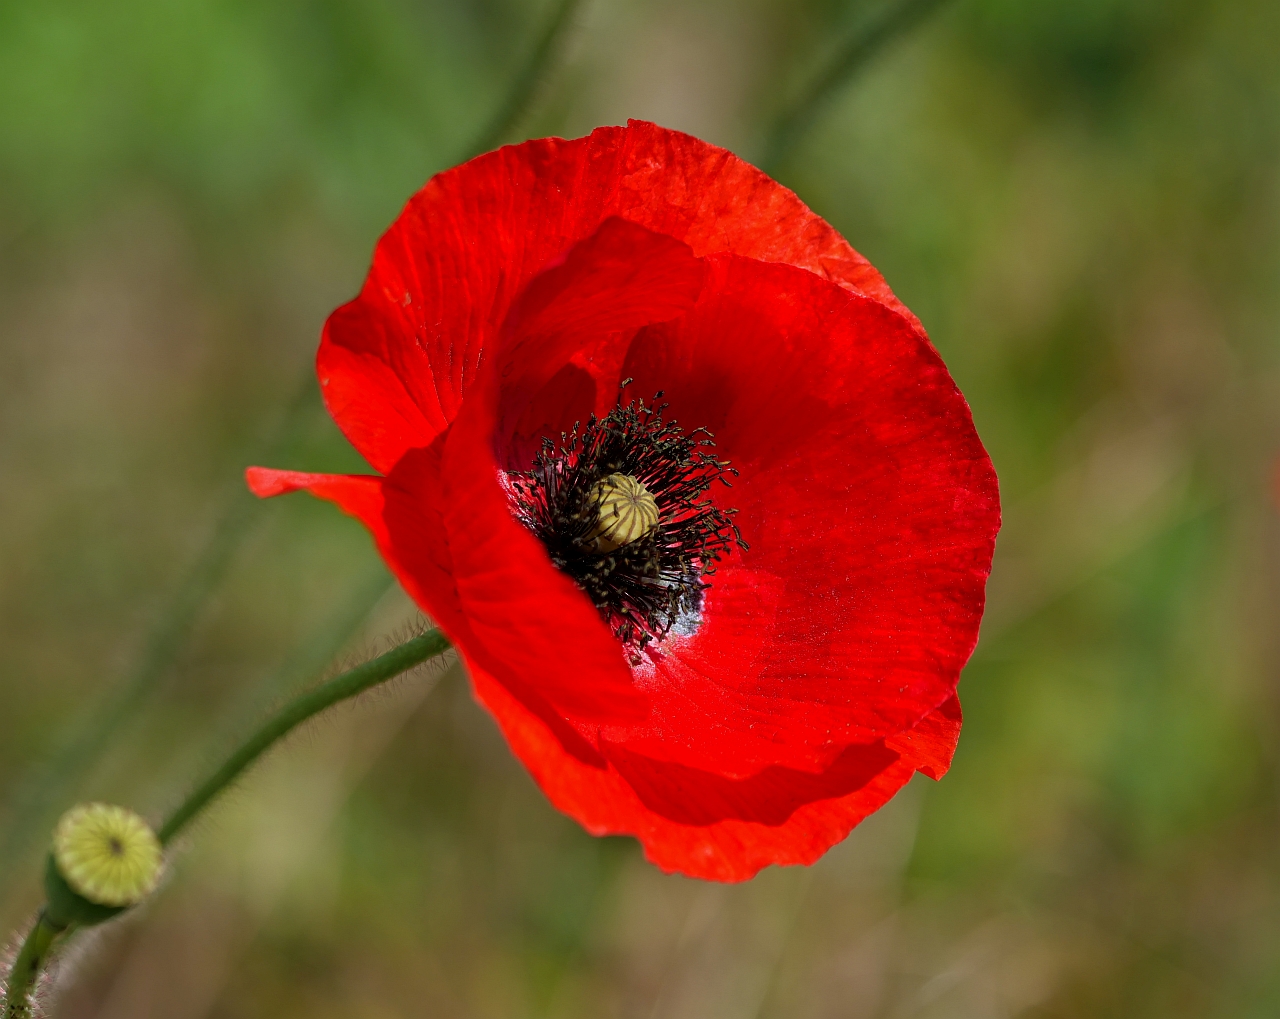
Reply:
x=689, y=821
x=620, y=279
x=403, y=513
x=845, y=628
x=705, y=825
x=870, y=507
x=395, y=363
x=932, y=743
x=870, y=503
x=452, y=540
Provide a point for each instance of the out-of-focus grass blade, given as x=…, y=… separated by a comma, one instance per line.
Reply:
x=888, y=24
x=45, y=787
x=524, y=88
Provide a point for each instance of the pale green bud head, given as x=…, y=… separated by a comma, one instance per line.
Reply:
x=107, y=854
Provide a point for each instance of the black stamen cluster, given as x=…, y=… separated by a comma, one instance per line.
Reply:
x=643, y=587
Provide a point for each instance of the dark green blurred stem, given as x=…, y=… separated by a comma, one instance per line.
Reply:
x=26, y=969
x=305, y=664
x=892, y=21
x=38, y=796
x=524, y=87
x=340, y=688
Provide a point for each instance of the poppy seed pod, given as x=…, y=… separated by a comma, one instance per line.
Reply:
x=104, y=859
x=625, y=512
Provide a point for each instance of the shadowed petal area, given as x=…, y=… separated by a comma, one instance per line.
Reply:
x=395, y=363
x=609, y=286
x=530, y=617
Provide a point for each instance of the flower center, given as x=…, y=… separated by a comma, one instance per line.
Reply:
x=621, y=507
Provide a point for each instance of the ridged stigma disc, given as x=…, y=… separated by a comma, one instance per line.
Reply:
x=107, y=854
x=626, y=511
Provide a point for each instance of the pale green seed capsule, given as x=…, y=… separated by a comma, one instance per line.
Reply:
x=107, y=854
x=625, y=511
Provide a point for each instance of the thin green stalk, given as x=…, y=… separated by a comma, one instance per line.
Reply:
x=355, y=681
x=525, y=85
x=26, y=969
x=889, y=23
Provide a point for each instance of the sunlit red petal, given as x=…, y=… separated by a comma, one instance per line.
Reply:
x=395, y=363
x=866, y=498
x=403, y=512
x=869, y=503
x=932, y=743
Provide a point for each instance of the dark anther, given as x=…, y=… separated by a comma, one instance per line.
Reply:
x=641, y=588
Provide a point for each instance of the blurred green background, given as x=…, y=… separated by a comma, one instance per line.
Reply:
x=1081, y=200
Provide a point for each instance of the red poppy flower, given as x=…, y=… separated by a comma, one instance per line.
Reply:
x=732, y=652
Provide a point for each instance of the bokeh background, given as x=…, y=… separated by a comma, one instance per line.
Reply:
x=1081, y=200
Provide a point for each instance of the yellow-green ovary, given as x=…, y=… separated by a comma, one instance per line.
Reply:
x=626, y=512
x=107, y=854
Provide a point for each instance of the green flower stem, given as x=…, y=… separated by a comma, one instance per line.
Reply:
x=305, y=664
x=35, y=948
x=340, y=688
x=26, y=969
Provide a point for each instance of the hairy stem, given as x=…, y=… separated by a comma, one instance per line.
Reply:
x=305, y=664
x=26, y=969
x=386, y=666
x=35, y=948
